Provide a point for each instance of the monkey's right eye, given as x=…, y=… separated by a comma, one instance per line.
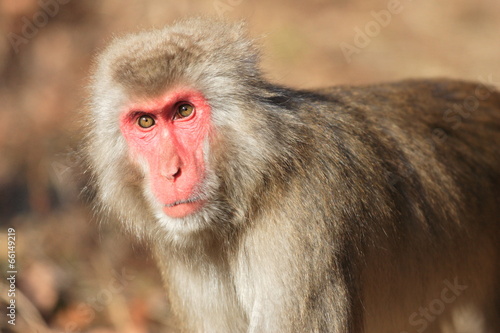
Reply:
x=145, y=121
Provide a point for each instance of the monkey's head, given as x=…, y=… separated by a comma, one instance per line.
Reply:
x=169, y=115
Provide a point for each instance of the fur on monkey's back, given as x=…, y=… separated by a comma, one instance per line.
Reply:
x=411, y=170
x=402, y=147
x=393, y=151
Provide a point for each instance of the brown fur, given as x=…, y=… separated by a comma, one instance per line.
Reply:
x=346, y=209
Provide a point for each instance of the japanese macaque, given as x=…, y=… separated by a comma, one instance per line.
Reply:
x=347, y=209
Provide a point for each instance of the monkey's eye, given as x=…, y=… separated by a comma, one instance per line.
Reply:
x=184, y=110
x=145, y=121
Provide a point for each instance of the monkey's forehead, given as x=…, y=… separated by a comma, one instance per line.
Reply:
x=148, y=62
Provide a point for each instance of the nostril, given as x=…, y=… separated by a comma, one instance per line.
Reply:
x=172, y=175
x=177, y=173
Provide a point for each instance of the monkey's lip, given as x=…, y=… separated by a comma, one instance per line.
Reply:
x=180, y=202
x=183, y=208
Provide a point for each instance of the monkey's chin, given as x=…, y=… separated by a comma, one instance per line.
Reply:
x=182, y=209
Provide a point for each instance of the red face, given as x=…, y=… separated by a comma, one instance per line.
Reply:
x=168, y=133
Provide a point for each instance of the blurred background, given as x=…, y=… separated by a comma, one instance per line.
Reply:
x=76, y=274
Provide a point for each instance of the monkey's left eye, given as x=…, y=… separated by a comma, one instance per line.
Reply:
x=184, y=110
x=145, y=121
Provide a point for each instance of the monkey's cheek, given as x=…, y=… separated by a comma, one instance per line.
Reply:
x=183, y=209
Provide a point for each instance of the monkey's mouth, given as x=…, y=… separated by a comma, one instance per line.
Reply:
x=180, y=202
